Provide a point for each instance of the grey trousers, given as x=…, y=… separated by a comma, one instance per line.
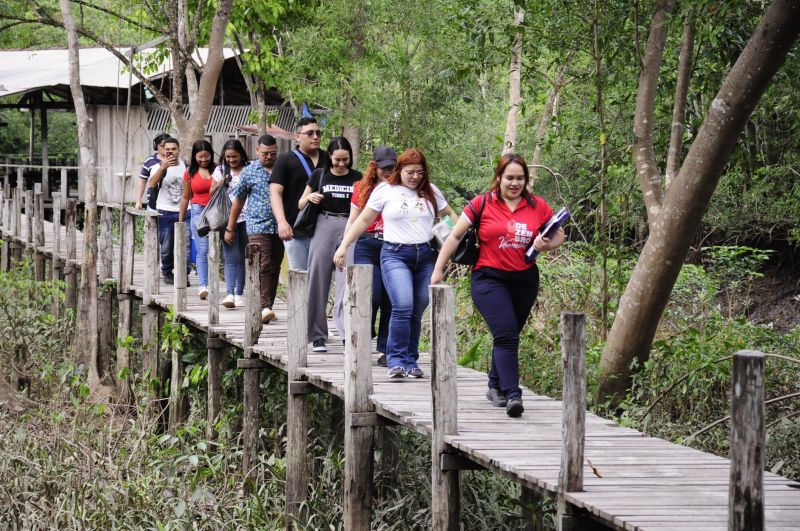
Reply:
x=327, y=237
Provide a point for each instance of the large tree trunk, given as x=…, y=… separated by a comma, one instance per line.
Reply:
x=644, y=155
x=85, y=344
x=651, y=283
x=679, y=107
x=514, y=91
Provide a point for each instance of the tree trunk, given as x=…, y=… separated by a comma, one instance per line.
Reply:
x=651, y=283
x=514, y=92
x=85, y=344
x=644, y=155
x=679, y=108
x=548, y=113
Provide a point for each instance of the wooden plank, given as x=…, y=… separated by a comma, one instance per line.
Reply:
x=181, y=242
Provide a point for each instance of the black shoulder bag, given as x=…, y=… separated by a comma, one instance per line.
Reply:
x=306, y=221
x=469, y=247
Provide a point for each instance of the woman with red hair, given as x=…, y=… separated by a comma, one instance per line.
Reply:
x=409, y=204
x=368, y=247
x=504, y=285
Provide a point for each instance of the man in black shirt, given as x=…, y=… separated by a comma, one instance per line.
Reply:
x=286, y=184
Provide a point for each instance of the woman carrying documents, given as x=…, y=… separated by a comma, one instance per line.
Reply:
x=504, y=282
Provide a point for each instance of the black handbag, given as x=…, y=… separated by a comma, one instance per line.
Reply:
x=469, y=247
x=215, y=215
x=306, y=221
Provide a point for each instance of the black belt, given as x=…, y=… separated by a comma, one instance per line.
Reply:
x=371, y=235
x=334, y=214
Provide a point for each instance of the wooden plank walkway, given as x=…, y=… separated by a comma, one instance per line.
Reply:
x=634, y=482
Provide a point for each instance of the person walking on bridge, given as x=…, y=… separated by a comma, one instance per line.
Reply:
x=286, y=184
x=504, y=285
x=409, y=204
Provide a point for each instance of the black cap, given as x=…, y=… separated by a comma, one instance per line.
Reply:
x=384, y=156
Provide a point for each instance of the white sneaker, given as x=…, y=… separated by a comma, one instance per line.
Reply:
x=239, y=300
x=203, y=292
x=229, y=302
x=267, y=315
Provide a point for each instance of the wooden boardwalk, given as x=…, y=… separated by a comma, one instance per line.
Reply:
x=631, y=481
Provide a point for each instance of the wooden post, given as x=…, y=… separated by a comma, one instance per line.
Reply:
x=213, y=343
x=179, y=305
x=573, y=356
x=388, y=440
x=252, y=329
x=17, y=247
x=63, y=185
x=357, y=404
x=105, y=274
x=70, y=271
x=152, y=260
x=125, y=301
x=5, y=250
x=746, y=488
x=43, y=136
x=298, y=462
x=56, y=237
x=29, y=222
x=531, y=510
x=445, y=484
x=37, y=220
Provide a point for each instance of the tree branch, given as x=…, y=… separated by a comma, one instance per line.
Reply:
x=679, y=107
x=117, y=15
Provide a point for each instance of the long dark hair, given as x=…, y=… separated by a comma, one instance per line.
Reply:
x=424, y=189
x=197, y=147
x=235, y=145
x=502, y=164
x=340, y=142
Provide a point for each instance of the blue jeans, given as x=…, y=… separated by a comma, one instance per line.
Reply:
x=202, y=247
x=368, y=252
x=505, y=299
x=297, y=253
x=233, y=255
x=166, y=239
x=406, y=270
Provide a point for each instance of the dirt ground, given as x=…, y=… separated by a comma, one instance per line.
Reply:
x=775, y=298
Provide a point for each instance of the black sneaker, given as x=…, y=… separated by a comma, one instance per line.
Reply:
x=382, y=360
x=514, y=407
x=416, y=372
x=169, y=279
x=497, y=398
x=319, y=346
x=397, y=372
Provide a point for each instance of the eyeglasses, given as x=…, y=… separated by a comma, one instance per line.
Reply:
x=267, y=153
x=314, y=132
x=412, y=173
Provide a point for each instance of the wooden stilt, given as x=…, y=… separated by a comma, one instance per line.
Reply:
x=38, y=235
x=298, y=462
x=252, y=329
x=531, y=511
x=573, y=428
x=70, y=270
x=150, y=315
x=746, y=487
x=358, y=435
x=28, y=250
x=105, y=307
x=213, y=344
x=181, y=242
x=388, y=440
x=125, y=303
x=445, y=484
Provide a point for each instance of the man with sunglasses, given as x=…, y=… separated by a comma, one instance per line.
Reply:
x=286, y=184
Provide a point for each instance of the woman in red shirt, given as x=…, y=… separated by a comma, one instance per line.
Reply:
x=197, y=183
x=504, y=287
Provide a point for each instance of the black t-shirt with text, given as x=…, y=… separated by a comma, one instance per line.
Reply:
x=289, y=172
x=336, y=189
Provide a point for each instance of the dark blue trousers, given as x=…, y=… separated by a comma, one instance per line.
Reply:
x=368, y=252
x=505, y=299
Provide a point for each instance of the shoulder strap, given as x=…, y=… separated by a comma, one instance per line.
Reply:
x=303, y=162
x=479, y=214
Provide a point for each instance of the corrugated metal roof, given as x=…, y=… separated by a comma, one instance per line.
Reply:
x=225, y=119
x=26, y=70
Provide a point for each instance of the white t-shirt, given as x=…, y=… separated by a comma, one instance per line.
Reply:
x=407, y=217
x=217, y=176
x=169, y=196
